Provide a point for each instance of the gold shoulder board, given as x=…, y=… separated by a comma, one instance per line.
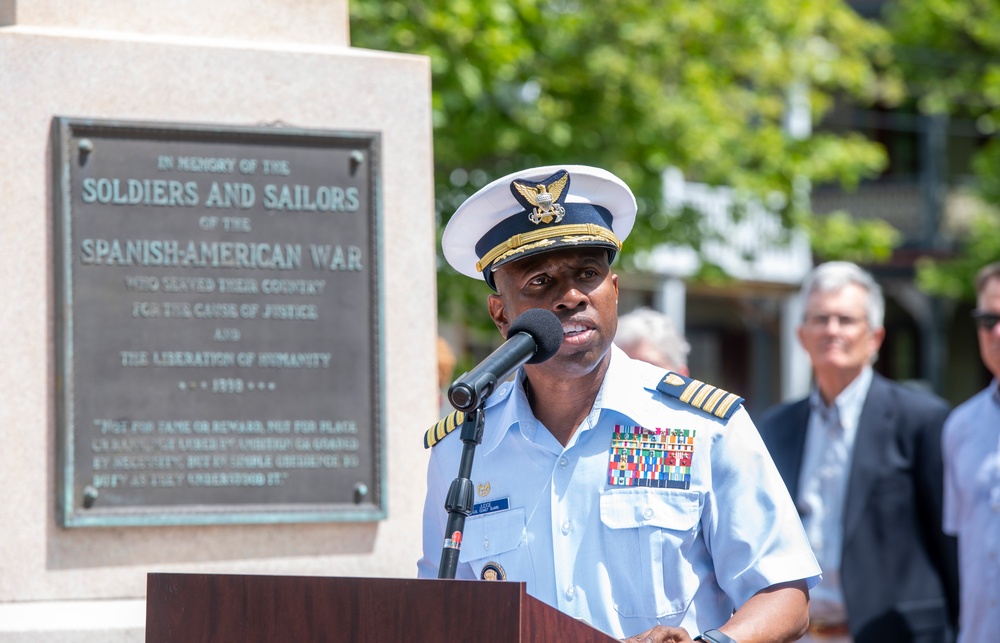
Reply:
x=704, y=397
x=447, y=424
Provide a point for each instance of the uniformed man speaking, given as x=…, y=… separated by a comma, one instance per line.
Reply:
x=632, y=498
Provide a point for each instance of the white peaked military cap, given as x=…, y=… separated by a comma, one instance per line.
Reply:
x=538, y=210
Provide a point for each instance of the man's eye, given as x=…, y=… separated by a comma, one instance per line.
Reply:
x=824, y=320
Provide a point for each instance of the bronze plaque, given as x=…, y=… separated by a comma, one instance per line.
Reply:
x=218, y=324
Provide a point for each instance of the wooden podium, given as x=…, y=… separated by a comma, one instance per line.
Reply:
x=207, y=608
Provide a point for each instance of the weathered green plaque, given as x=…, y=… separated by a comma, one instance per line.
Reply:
x=218, y=324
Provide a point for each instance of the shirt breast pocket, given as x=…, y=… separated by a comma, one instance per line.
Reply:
x=496, y=538
x=649, y=533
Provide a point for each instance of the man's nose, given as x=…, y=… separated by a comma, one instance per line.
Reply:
x=571, y=298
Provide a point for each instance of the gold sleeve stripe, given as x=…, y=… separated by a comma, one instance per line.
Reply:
x=454, y=421
x=724, y=406
x=691, y=389
x=702, y=394
x=712, y=401
x=519, y=240
x=445, y=427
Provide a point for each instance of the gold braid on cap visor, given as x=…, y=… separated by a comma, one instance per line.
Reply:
x=570, y=233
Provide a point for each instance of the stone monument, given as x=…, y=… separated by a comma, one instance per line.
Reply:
x=218, y=303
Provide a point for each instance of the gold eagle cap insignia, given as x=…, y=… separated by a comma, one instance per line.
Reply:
x=545, y=199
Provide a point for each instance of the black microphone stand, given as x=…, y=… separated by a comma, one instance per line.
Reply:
x=459, y=502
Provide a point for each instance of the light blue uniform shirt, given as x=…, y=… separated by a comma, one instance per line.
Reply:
x=621, y=558
x=971, y=453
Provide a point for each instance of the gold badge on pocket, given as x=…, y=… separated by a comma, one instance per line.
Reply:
x=493, y=571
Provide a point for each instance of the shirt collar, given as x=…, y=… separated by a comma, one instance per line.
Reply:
x=621, y=389
x=629, y=391
x=624, y=388
x=849, y=403
x=508, y=403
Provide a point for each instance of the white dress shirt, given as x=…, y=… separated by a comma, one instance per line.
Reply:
x=823, y=483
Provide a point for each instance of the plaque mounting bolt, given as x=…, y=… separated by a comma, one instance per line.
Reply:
x=360, y=492
x=89, y=496
x=85, y=145
x=357, y=159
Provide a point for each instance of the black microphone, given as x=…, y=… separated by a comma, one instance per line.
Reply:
x=534, y=337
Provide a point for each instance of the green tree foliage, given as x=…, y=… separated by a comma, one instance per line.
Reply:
x=636, y=86
x=840, y=236
x=955, y=278
x=949, y=54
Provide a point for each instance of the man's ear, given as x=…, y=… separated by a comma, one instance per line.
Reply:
x=498, y=313
x=878, y=336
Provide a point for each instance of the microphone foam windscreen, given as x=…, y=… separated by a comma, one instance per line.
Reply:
x=544, y=327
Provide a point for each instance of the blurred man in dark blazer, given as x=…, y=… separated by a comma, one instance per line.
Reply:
x=861, y=458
